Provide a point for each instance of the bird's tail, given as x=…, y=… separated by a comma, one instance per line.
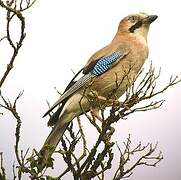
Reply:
x=55, y=136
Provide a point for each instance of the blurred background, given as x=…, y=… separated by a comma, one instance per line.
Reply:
x=62, y=35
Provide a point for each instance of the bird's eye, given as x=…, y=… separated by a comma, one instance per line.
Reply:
x=133, y=19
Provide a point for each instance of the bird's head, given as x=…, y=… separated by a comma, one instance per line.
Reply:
x=136, y=24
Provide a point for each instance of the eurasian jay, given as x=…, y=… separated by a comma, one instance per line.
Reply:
x=107, y=71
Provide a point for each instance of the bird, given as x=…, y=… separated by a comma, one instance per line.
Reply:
x=104, y=78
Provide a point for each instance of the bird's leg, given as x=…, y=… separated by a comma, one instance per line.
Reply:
x=103, y=100
x=109, y=102
x=95, y=114
x=114, y=102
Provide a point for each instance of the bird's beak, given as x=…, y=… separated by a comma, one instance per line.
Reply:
x=150, y=19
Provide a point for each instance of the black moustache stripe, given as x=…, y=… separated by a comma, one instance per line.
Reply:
x=135, y=26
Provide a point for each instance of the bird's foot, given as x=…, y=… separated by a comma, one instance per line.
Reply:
x=114, y=102
x=95, y=114
x=101, y=100
x=108, y=102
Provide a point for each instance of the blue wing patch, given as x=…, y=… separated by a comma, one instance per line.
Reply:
x=105, y=63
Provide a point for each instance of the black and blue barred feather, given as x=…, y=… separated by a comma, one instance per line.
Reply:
x=105, y=63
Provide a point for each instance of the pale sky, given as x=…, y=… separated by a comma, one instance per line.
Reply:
x=61, y=36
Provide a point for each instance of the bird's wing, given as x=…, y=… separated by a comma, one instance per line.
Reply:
x=103, y=64
x=97, y=68
x=106, y=54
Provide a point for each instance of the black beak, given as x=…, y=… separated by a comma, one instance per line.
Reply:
x=151, y=18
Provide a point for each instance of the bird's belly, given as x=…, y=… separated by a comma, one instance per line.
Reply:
x=112, y=88
x=115, y=82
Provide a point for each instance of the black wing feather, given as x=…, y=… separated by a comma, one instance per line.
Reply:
x=72, y=82
x=91, y=66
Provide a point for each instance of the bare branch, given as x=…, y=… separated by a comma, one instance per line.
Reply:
x=2, y=169
x=147, y=159
x=12, y=12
